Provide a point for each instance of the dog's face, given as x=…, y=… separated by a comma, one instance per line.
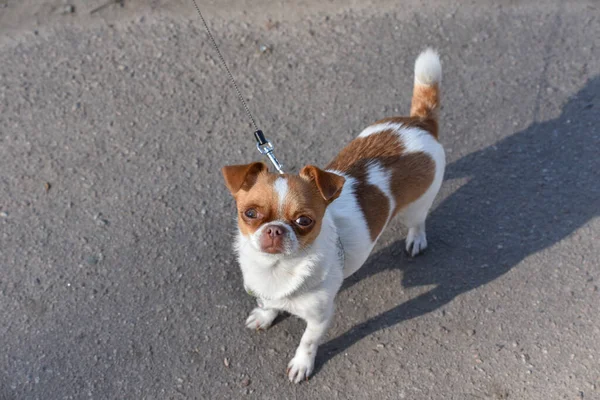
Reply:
x=281, y=214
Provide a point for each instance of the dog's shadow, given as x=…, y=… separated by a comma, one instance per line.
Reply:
x=523, y=194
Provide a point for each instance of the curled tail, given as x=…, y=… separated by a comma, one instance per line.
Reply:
x=426, y=91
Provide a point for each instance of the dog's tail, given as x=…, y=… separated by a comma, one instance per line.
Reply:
x=426, y=91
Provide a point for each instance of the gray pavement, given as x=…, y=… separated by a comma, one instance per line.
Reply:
x=117, y=279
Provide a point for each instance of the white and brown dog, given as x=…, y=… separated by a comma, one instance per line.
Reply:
x=301, y=235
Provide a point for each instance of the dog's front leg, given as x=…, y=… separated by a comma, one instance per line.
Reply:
x=303, y=362
x=261, y=318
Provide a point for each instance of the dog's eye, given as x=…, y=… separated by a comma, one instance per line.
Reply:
x=251, y=213
x=303, y=221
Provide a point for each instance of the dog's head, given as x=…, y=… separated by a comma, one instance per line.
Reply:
x=281, y=214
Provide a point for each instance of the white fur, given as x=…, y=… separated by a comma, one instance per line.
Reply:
x=304, y=285
x=413, y=216
x=305, y=281
x=428, y=69
x=275, y=276
x=417, y=140
x=379, y=128
x=416, y=240
x=352, y=227
x=261, y=318
x=281, y=187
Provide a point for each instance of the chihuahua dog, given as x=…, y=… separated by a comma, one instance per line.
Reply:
x=301, y=235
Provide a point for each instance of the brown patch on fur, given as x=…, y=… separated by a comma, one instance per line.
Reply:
x=305, y=199
x=242, y=176
x=373, y=202
x=411, y=173
x=383, y=144
x=425, y=102
x=260, y=196
x=329, y=185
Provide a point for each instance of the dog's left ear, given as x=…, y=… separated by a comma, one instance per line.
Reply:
x=242, y=176
x=329, y=184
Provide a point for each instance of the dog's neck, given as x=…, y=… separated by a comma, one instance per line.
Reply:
x=272, y=277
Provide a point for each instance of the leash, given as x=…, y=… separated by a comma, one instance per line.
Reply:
x=263, y=145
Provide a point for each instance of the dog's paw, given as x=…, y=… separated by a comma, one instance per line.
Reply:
x=261, y=318
x=300, y=367
x=416, y=241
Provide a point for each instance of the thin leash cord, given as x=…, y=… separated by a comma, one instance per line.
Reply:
x=226, y=68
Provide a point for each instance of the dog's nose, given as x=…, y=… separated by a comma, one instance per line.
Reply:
x=273, y=238
x=275, y=231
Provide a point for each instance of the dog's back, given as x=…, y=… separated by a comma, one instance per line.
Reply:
x=394, y=166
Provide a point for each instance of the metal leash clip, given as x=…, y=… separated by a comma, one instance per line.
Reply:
x=266, y=148
x=263, y=145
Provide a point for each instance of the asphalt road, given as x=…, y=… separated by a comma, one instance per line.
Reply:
x=117, y=279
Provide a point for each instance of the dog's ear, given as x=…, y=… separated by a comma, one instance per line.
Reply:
x=329, y=184
x=242, y=176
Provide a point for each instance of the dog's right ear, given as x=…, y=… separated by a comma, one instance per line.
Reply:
x=242, y=176
x=329, y=184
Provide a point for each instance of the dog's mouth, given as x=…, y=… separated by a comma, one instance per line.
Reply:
x=272, y=246
x=272, y=250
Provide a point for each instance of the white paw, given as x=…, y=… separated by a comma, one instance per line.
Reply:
x=416, y=241
x=261, y=318
x=301, y=366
